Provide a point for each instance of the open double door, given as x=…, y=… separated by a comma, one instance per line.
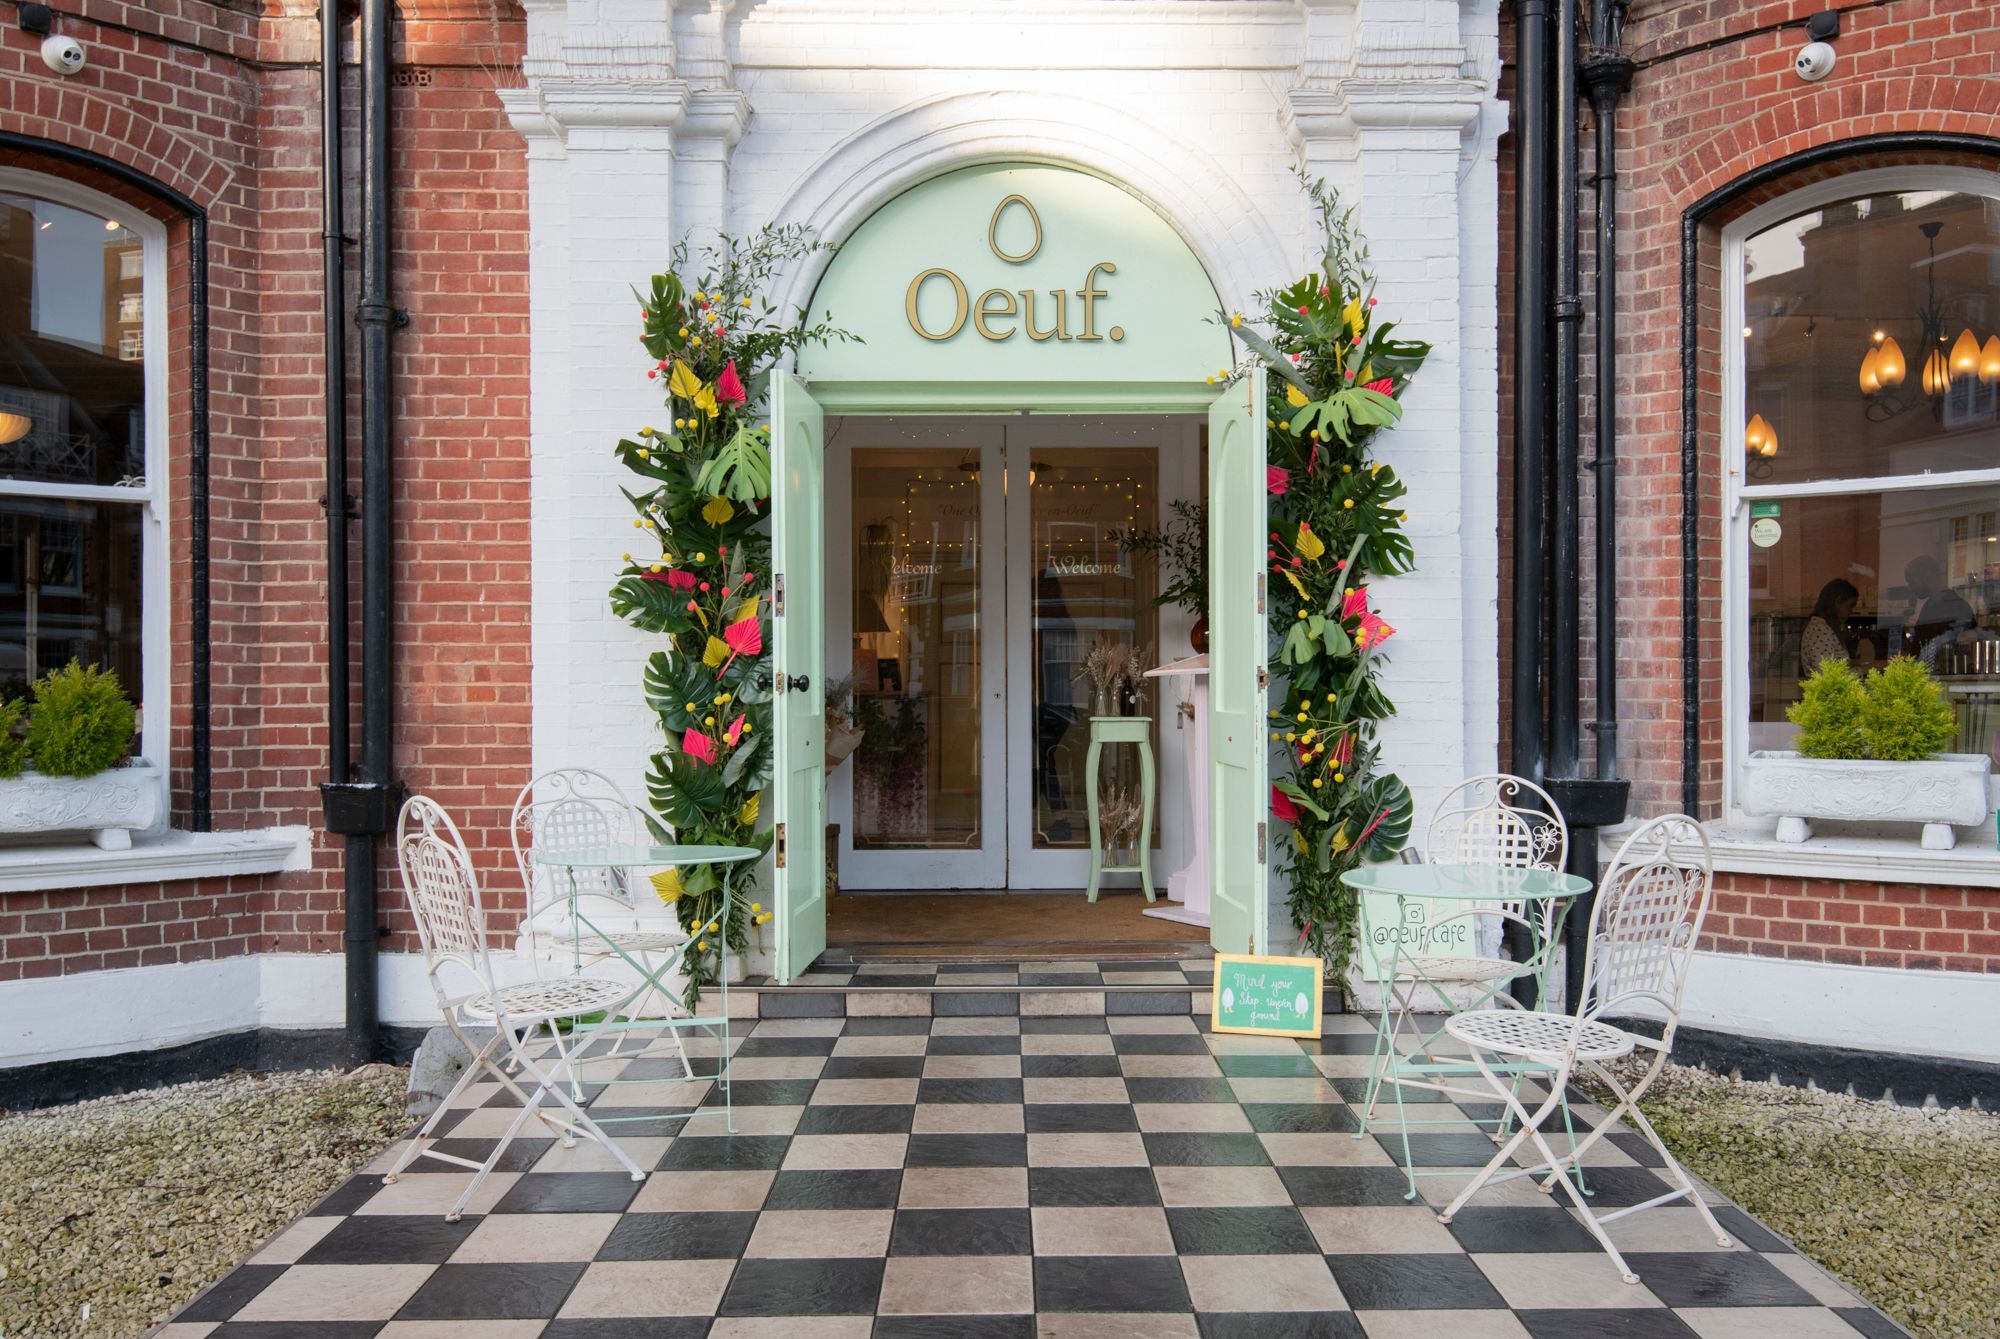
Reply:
x=1239, y=788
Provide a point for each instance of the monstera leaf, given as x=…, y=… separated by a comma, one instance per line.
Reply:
x=1387, y=796
x=687, y=792
x=740, y=470
x=672, y=684
x=650, y=606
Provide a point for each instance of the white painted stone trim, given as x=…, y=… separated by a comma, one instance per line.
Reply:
x=169, y=857
x=1854, y=854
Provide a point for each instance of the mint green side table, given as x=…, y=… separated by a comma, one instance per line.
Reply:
x=1122, y=730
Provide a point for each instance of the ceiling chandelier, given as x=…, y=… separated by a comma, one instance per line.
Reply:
x=1884, y=367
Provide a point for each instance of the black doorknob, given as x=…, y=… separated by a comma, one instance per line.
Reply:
x=801, y=684
x=763, y=682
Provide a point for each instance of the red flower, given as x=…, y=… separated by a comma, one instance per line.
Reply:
x=729, y=387
x=698, y=745
x=735, y=730
x=1282, y=807
x=1276, y=481
x=1384, y=385
x=674, y=577
x=745, y=637
x=652, y=372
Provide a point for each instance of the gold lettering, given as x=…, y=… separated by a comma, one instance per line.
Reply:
x=993, y=229
x=958, y=318
x=1088, y=295
x=986, y=309
x=1060, y=330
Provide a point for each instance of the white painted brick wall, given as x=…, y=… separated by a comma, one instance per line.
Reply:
x=1184, y=101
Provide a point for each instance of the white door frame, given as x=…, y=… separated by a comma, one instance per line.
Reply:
x=1005, y=859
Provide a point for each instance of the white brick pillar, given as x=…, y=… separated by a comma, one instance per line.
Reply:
x=1382, y=110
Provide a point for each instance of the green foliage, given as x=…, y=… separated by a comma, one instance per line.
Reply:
x=700, y=506
x=1906, y=716
x=1337, y=519
x=82, y=723
x=13, y=746
x=1828, y=713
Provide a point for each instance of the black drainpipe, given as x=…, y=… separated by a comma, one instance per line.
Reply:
x=362, y=808
x=1591, y=803
x=200, y=768
x=1533, y=100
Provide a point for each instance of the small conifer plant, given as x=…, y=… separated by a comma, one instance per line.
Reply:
x=1905, y=716
x=82, y=723
x=1829, y=714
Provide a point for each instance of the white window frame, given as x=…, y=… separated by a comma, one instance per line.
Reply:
x=1737, y=492
x=155, y=591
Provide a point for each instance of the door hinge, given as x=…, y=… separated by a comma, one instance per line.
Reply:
x=778, y=595
x=1260, y=595
x=1263, y=678
x=780, y=845
x=1253, y=946
x=1263, y=839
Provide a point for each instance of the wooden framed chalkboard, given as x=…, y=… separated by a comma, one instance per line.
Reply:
x=1271, y=997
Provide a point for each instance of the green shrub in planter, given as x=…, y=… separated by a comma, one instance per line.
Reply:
x=1829, y=714
x=13, y=748
x=1906, y=716
x=81, y=723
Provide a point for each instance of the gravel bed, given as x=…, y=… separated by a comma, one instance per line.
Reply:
x=115, y=1212
x=1901, y=1203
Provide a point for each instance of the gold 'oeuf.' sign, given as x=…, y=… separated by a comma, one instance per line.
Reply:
x=993, y=315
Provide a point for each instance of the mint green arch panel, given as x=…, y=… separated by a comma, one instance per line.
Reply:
x=1052, y=311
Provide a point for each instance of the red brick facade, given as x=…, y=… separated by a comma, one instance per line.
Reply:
x=1715, y=97
x=221, y=102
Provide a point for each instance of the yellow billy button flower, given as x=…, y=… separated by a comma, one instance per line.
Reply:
x=755, y=906
x=719, y=699
x=1339, y=777
x=701, y=557
x=625, y=557
x=644, y=454
x=708, y=720
x=746, y=302
x=1347, y=503
x=1347, y=469
x=1402, y=516
x=1309, y=735
x=710, y=929
x=1290, y=736
x=1333, y=697
x=1209, y=380
x=692, y=708
x=1302, y=613
x=1274, y=710
x=1236, y=320
x=696, y=341
x=657, y=567
x=684, y=332
x=701, y=944
x=1274, y=736
x=1302, y=716
x=1317, y=783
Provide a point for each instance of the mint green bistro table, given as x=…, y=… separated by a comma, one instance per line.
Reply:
x=575, y=858
x=1137, y=730
x=1420, y=1069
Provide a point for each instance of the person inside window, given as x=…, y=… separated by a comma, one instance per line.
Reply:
x=1939, y=615
x=1825, y=637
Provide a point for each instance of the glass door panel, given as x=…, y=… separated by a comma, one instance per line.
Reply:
x=922, y=627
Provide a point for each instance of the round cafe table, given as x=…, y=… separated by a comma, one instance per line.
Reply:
x=1423, y=895
x=641, y=856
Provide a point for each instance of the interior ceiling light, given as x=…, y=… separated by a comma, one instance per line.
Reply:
x=1884, y=368
x=13, y=426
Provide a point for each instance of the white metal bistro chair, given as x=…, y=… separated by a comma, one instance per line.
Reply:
x=573, y=808
x=444, y=897
x=1642, y=936
x=1494, y=820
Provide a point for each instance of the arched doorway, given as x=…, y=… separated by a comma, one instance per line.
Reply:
x=1036, y=358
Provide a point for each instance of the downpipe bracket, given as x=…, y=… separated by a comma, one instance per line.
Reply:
x=360, y=808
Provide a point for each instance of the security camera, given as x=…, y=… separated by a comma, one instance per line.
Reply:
x=64, y=55
x=1815, y=61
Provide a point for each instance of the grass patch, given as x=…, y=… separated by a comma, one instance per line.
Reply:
x=1898, y=1202
x=114, y=1213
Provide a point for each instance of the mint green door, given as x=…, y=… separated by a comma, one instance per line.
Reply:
x=1239, y=786
x=798, y=673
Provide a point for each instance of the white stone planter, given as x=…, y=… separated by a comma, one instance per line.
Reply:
x=1950, y=790
x=110, y=806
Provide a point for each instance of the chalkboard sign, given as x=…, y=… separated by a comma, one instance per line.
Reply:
x=1274, y=997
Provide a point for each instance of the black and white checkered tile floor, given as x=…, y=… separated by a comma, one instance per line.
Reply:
x=1062, y=1177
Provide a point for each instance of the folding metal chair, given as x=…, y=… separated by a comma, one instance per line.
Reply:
x=444, y=896
x=574, y=808
x=1642, y=937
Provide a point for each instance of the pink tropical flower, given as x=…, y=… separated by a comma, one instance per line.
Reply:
x=1276, y=481
x=1355, y=601
x=735, y=731
x=698, y=745
x=745, y=637
x=1282, y=807
x=1373, y=631
x=1383, y=385
x=729, y=386
x=673, y=576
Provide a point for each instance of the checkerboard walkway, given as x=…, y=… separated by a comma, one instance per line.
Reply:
x=1069, y=1177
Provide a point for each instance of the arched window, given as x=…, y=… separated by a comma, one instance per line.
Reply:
x=82, y=441
x=1862, y=441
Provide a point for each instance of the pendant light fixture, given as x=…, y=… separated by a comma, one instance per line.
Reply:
x=15, y=425
x=1883, y=367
